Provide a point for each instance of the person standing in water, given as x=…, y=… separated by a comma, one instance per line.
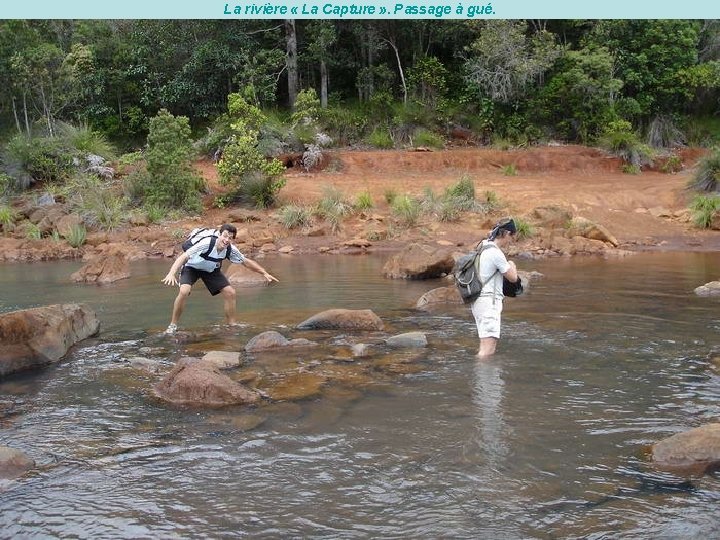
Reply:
x=204, y=261
x=493, y=266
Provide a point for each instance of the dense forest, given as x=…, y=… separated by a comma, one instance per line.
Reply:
x=245, y=91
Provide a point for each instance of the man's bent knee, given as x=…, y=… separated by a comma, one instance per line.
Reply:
x=229, y=292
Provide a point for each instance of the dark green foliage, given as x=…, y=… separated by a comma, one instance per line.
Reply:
x=171, y=181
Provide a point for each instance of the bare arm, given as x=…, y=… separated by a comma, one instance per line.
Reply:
x=171, y=277
x=511, y=274
x=255, y=267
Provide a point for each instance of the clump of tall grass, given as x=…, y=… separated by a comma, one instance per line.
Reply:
x=293, y=216
x=86, y=140
x=333, y=207
x=364, y=201
x=524, y=229
x=707, y=177
x=76, y=235
x=704, y=208
x=7, y=216
x=406, y=209
x=509, y=169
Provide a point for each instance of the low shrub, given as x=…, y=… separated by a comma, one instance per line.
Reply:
x=406, y=209
x=293, y=216
x=380, y=138
x=76, y=235
x=364, y=201
x=707, y=176
x=704, y=208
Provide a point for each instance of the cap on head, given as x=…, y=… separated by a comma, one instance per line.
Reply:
x=505, y=224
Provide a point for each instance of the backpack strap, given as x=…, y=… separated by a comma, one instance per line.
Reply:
x=206, y=254
x=483, y=247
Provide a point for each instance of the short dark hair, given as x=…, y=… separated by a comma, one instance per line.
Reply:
x=229, y=228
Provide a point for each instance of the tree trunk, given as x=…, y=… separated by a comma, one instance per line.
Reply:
x=323, y=85
x=400, y=69
x=291, y=61
x=27, y=122
x=17, y=120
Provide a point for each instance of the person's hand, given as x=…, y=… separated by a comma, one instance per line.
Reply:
x=170, y=279
x=270, y=278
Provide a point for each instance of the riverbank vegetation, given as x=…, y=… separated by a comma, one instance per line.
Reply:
x=109, y=115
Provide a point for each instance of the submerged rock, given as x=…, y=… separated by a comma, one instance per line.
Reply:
x=272, y=340
x=343, y=319
x=407, y=340
x=695, y=451
x=222, y=359
x=296, y=386
x=34, y=337
x=13, y=463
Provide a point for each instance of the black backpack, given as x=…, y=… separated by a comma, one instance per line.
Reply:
x=467, y=276
x=200, y=234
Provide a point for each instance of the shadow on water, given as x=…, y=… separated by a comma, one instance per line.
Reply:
x=600, y=359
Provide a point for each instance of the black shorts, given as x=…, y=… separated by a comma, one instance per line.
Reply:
x=215, y=281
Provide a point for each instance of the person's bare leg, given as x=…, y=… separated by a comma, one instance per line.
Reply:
x=487, y=347
x=179, y=304
x=230, y=309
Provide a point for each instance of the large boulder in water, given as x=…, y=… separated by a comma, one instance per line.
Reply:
x=240, y=276
x=419, y=262
x=343, y=319
x=198, y=384
x=711, y=288
x=103, y=270
x=33, y=337
x=694, y=451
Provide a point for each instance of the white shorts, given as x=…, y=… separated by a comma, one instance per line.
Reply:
x=487, y=310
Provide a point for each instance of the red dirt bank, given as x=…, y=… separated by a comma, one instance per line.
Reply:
x=645, y=211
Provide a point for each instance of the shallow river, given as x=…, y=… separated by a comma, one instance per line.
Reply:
x=599, y=360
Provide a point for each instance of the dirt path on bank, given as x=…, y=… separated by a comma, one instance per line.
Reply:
x=647, y=210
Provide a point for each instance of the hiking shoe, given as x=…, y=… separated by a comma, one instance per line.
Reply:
x=171, y=329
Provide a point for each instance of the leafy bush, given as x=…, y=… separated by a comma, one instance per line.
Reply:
x=423, y=137
x=36, y=159
x=380, y=138
x=76, y=236
x=704, y=208
x=465, y=187
x=619, y=139
x=293, y=216
x=672, y=164
x=707, y=177
x=154, y=212
x=243, y=166
x=171, y=181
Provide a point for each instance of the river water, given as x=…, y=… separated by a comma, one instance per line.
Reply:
x=548, y=439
